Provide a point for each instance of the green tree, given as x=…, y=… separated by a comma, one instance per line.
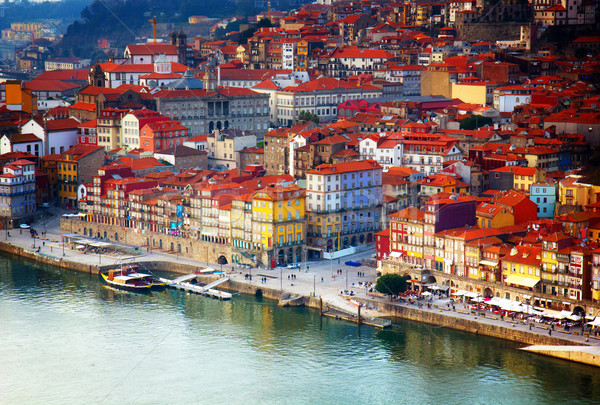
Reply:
x=265, y=23
x=475, y=122
x=391, y=284
x=308, y=116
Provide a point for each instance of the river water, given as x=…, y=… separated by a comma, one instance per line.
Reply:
x=65, y=338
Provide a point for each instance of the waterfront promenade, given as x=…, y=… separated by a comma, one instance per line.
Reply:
x=320, y=279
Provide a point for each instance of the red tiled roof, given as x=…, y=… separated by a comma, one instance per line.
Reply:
x=60, y=125
x=152, y=49
x=345, y=167
x=49, y=85
x=83, y=106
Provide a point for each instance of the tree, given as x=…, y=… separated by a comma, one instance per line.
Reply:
x=391, y=284
x=475, y=122
x=308, y=116
x=264, y=23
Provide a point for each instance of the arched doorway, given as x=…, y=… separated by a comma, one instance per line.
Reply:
x=329, y=245
x=116, y=237
x=219, y=126
x=361, y=238
x=369, y=238
x=353, y=241
x=290, y=255
x=226, y=125
x=578, y=311
x=298, y=254
x=222, y=260
x=487, y=293
x=280, y=257
x=431, y=280
x=160, y=244
x=211, y=127
x=346, y=242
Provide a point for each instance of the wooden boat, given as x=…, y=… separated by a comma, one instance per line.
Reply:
x=128, y=278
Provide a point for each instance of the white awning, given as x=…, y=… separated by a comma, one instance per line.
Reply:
x=471, y=294
x=554, y=314
x=522, y=281
x=459, y=293
x=595, y=322
x=491, y=263
x=395, y=254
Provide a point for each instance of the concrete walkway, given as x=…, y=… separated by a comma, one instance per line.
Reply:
x=320, y=278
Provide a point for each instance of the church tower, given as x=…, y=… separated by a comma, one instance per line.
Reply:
x=210, y=79
x=96, y=76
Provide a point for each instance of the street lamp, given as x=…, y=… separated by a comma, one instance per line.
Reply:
x=331, y=263
x=63, y=241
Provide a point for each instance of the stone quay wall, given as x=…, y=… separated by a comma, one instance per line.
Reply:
x=190, y=248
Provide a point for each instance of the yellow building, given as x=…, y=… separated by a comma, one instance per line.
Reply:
x=572, y=192
x=77, y=166
x=493, y=216
x=472, y=93
x=278, y=216
x=555, y=264
x=521, y=267
x=422, y=14
x=301, y=56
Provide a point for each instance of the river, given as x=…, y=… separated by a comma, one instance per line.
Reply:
x=65, y=338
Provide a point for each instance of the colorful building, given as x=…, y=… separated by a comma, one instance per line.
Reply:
x=278, y=214
x=544, y=196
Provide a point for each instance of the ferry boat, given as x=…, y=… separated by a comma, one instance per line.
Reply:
x=128, y=277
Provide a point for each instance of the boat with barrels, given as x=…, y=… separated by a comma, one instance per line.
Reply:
x=129, y=278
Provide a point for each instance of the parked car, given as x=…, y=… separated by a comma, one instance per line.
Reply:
x=351, y=263
x=293, y=266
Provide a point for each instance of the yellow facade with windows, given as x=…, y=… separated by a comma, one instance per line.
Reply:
x=67, y=180
x=278, y=215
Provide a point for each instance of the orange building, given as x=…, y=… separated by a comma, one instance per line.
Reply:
x=20, y=98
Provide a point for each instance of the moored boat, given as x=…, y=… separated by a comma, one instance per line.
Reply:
x=129, y=278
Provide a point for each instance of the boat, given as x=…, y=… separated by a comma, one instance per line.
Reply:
x=129, y=278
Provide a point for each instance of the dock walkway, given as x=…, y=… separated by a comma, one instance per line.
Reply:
x=182, y=283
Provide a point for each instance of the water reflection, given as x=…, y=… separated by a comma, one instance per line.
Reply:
x=246, y=350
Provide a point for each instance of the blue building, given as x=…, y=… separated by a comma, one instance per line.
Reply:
x=544, y=196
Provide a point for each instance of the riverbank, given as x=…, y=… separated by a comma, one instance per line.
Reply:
x=561, y=345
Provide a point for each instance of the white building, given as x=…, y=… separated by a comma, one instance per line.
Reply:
x=17, y=186
x=21, y=143
x=132, y=124
x=57, y=135
x=408, y=75
x=320, y=96
x=287, y=55
x=508, y=97
x=344, y=205
x=66, y=64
